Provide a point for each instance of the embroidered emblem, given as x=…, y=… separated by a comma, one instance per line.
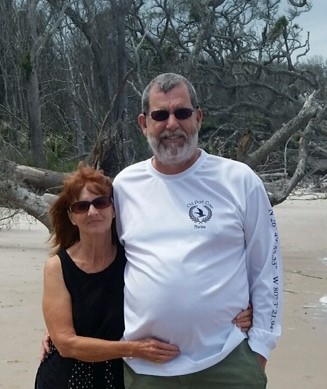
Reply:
x=200, y=213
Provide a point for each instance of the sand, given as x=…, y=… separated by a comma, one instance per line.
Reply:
x=300, y=359
x=298, y=362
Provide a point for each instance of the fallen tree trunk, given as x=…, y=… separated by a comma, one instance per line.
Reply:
x=310, y=110
x=29, y=189
x=41, y=180
x=18, y=197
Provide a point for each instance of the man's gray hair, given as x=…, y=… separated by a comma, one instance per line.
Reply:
x=164, y=83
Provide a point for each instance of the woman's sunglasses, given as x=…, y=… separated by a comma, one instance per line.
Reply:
x=162, y=114
x=98, y=203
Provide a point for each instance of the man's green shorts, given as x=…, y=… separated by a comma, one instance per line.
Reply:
x=239, y=370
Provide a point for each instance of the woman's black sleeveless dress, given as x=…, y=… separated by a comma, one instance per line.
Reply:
x=97, y=301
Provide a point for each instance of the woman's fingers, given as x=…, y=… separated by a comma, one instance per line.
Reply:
x=157, y=351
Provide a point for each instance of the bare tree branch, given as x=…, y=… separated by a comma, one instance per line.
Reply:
x=298, y=3
x=309, y=110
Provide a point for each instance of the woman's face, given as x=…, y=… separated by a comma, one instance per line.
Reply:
x=97, y=218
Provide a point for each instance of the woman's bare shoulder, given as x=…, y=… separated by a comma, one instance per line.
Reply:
x=52, y=264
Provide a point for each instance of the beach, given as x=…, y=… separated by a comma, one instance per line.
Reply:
x=298, y=362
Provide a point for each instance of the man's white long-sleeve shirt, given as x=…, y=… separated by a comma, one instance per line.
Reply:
x=200, y=245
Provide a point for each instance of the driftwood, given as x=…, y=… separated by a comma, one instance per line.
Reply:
x=309, y=111
x=18, y=197
x=278, y=196
x=40, y=180
x=28, y=188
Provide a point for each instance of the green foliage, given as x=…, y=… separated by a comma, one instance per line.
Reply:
x=278, y=28
x=59, y=151
x=15, y=146
x=60, y=165
x=169, y=52
x=26, y=65
x=195, y=13
x=208, y=124
x=13, y=141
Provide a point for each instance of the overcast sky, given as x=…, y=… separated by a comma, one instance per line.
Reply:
x=315, y=21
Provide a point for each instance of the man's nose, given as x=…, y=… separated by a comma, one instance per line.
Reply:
x=172, y=122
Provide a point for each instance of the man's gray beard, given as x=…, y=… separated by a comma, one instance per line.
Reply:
x=174, y=154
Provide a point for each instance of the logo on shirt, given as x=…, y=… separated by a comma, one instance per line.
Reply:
x=200, y=212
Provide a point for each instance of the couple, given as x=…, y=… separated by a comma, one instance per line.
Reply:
x=201, y=242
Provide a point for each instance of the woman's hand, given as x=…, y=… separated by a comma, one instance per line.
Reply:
x=244, y=319
x=154, y=350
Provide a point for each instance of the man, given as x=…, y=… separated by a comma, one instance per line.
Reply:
x=201, y=242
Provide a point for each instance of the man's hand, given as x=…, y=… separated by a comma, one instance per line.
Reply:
x=45, y=346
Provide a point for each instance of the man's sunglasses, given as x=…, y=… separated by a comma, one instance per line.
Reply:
x=162, y=114
x=98, y=203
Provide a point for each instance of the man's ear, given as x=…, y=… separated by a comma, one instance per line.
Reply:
x=199, y=115
x=142, y=123
x=199, y=118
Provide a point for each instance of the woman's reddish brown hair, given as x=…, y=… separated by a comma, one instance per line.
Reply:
x=64, y=233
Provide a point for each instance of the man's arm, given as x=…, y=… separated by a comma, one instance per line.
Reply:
x=264, y=266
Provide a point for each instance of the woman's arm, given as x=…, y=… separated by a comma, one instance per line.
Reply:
x=57, y=311
x=243, y=320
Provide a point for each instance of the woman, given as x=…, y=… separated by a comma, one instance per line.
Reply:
x=83, y=292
